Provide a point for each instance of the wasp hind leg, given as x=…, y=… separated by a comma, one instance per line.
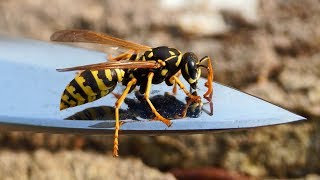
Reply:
x=146, y=96
x=117, y=106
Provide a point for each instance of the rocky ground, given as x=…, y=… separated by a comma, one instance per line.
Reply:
x=42, y=164
x=266, y=48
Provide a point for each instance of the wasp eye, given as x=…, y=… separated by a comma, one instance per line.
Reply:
x=192, y=69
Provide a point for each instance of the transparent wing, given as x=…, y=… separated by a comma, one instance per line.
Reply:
x=126, y=64
x=77, y=35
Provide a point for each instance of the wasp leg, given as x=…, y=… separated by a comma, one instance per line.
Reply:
x=117, y=106
x=194, y=98
x=146, y=96
x=208, y=84
x=174, y=90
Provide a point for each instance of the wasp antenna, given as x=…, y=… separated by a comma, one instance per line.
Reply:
x=204, y=66
x=204, y=59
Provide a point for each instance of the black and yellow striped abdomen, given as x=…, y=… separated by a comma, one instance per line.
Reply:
x=89, y=86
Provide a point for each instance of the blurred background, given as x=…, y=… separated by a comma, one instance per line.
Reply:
x=266, y=48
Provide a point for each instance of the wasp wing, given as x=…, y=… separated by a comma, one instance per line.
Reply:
x=115, y=65
x=86, y=36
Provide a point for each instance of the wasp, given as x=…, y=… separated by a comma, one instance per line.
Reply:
x=140, y=66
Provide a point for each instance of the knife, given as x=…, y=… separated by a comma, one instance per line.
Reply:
x=31, y=90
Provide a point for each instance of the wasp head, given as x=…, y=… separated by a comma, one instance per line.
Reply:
x=190, y=69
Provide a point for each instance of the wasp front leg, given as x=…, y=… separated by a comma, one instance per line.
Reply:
x=210, y=76
x=117, y=107
x=146, y=96
x=209, y=84
x=175, y=79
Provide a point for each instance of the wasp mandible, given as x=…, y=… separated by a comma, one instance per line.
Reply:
x=140, y=66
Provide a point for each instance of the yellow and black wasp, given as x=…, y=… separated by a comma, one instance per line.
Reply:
x=141, y=66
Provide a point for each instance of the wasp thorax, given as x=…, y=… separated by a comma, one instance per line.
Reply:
x=190, y=69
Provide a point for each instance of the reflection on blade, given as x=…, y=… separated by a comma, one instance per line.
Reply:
x=167, y=105
x=101, y=113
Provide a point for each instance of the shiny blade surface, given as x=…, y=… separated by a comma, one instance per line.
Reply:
x=31, y=89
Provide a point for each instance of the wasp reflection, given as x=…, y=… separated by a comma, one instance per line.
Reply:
x=167, y=105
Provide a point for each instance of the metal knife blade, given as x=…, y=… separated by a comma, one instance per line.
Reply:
x=31, y=90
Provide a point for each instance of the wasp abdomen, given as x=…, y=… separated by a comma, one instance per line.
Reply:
x=89, y=86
